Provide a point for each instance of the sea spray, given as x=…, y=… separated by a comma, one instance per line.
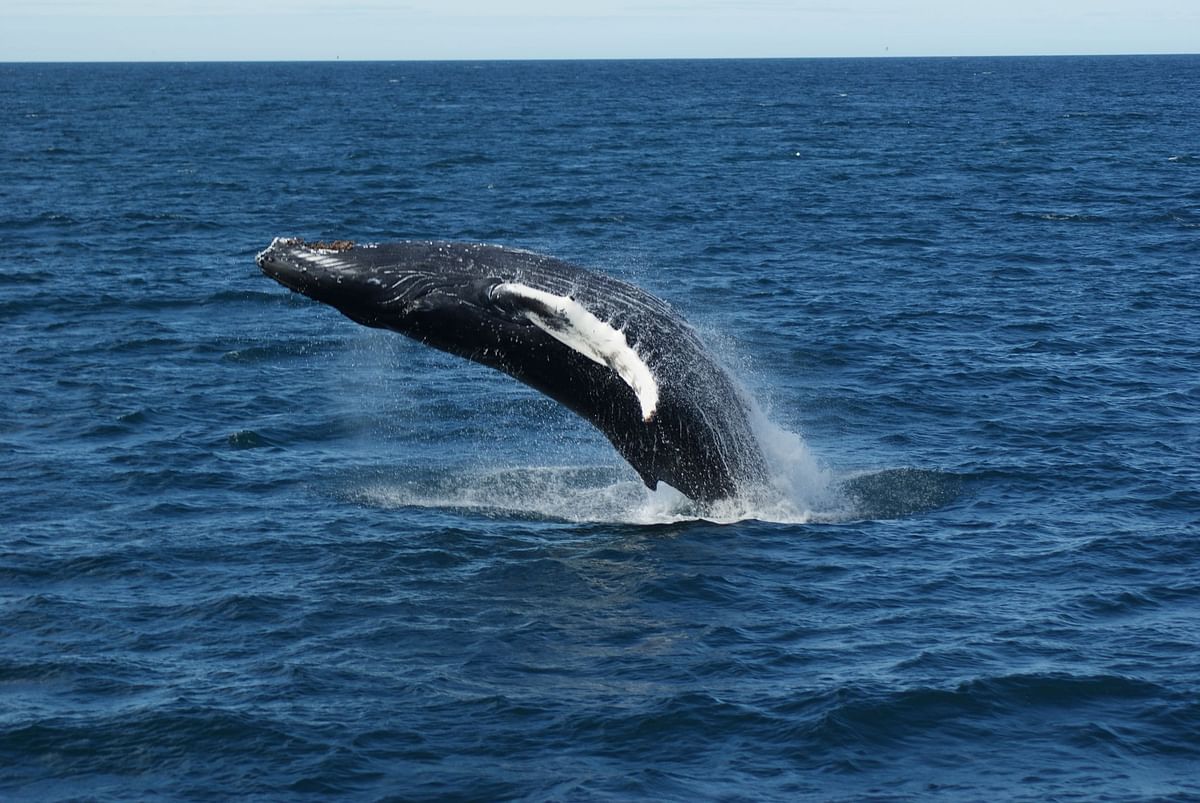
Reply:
x=800, y=490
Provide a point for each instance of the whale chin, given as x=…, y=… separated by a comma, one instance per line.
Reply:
x=616, y=355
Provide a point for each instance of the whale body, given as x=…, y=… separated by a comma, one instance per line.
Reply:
x=618, y=356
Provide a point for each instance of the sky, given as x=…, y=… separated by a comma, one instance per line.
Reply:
x=273, y=30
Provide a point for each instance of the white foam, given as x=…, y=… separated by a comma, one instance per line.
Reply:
x=564, y=493
x=800, y=491
x=799, y=487
x=572, y=494
x=572, y=324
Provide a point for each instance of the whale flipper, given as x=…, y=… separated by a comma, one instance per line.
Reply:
x=574, y=325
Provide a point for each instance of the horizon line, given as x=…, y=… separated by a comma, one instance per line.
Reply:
x=514, y=59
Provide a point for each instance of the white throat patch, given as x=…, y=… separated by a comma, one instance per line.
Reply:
x=570, y=323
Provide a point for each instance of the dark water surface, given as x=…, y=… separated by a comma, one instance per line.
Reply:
x=248, y=548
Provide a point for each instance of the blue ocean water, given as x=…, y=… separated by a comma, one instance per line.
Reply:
x=248, y=548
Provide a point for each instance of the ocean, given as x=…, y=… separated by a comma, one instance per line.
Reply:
x=249, y=549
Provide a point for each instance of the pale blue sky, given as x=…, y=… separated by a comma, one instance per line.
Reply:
x=138, y=30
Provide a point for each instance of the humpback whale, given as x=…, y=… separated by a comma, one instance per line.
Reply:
x=616, y=355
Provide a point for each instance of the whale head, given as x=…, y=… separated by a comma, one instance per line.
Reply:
x=370, y=286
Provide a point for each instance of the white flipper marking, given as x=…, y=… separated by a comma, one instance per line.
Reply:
x=569, y=322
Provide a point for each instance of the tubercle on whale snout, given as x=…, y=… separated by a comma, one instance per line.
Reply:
x=336, y=246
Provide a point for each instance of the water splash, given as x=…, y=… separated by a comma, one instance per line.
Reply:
x=555, y=493
x=800, y=492
x=800, y=489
